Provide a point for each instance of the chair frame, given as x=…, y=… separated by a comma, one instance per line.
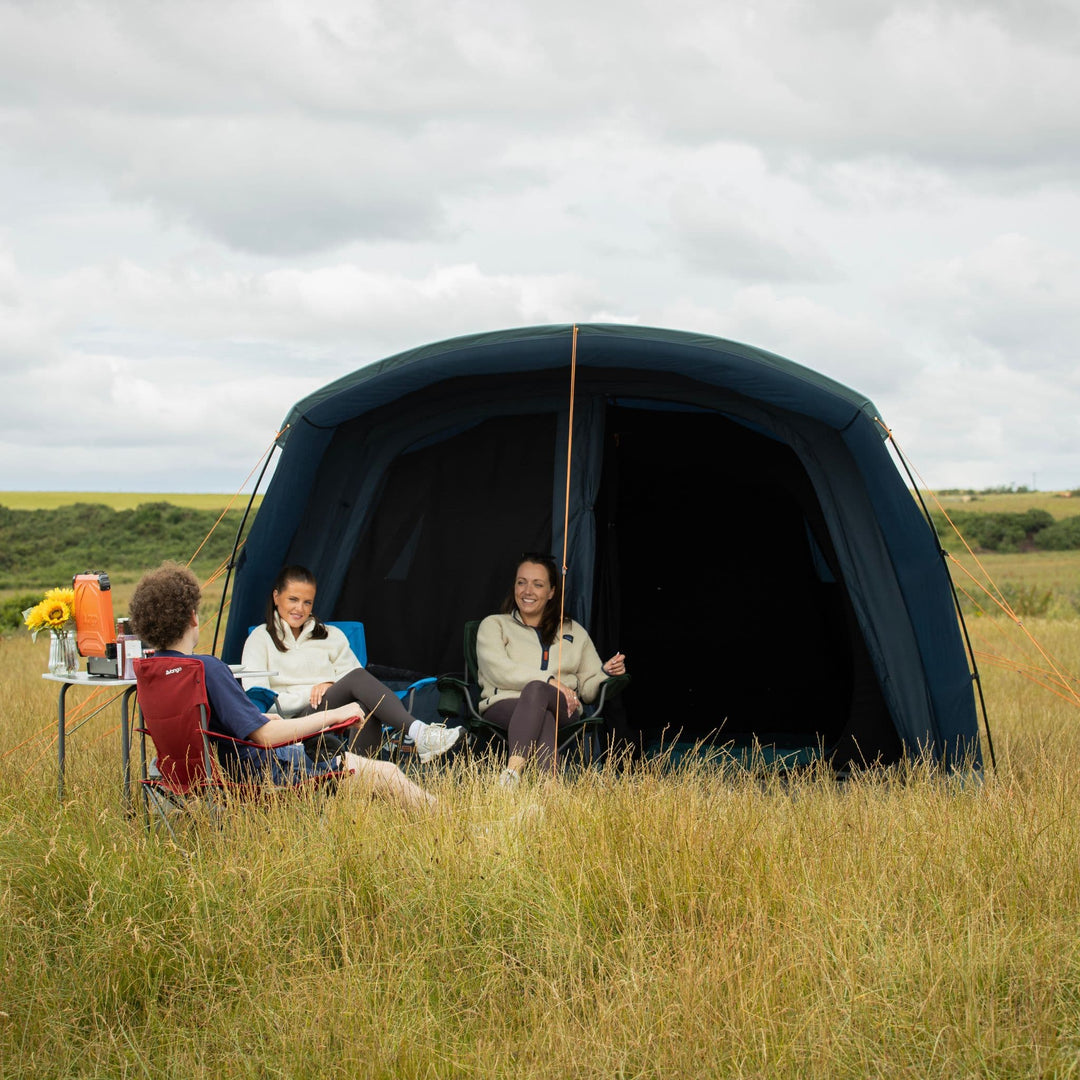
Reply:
x=187, y=766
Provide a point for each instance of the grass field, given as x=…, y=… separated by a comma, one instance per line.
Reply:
x=639, y=923
x=645, y=924
x=1008, y=503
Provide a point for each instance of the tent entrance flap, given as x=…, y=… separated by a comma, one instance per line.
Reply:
x=713, y=576
x=435, y=550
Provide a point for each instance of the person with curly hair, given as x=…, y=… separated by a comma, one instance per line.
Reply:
x=164, y=612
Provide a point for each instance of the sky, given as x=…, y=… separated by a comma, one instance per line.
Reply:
x=209, y=210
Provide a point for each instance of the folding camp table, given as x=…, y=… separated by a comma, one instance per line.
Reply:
x=105, y=682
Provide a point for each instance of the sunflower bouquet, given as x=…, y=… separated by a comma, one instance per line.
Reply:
x=56, y=611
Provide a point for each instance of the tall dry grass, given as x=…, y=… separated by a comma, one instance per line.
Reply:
x=637, y=924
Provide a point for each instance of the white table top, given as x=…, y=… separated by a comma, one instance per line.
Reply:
x=84, y=678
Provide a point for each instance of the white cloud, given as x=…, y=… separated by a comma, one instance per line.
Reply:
x=983, y=426
x=253, y=345
x=299, y=127
x=336, y=306
x=1015, y=299
x=853, y=351
x=213, y=209
x=737, y=234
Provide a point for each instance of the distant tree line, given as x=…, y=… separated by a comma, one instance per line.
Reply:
x=44, y=548
x=1032, y=530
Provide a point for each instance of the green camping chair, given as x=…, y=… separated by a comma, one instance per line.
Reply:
x=459, y=701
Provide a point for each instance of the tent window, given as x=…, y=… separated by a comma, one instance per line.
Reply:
x=489, y=488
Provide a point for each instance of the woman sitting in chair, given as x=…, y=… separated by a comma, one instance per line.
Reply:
x=316, y=668
x=165, y=614
x=529, y=685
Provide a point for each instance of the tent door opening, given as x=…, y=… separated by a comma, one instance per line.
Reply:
x=713, y=577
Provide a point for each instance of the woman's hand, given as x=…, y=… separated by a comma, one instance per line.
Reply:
x=616, y=665
x=317, y=693
x=572, y=702
x=349, y=711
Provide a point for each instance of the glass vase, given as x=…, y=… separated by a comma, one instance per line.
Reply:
x=63, y=656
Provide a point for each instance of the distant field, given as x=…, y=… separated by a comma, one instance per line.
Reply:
x=126, y=500
x=119, y=500
x=1015, y=503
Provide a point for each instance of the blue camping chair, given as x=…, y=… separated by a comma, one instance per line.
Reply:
x=404, y=688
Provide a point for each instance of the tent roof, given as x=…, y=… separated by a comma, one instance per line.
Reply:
x=741, y=368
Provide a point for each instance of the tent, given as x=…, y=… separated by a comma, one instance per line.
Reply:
x=736, y=526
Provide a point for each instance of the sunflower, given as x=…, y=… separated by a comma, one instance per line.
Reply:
x=54, y=612
x=66, y=596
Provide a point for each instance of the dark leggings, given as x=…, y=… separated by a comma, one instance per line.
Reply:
x=363, y=688
x=529, y=720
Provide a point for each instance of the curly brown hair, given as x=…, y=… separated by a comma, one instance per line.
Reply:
x=162, y=604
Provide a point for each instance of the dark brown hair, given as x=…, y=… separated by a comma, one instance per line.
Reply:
x=549, y=617
x=162, y=604
x=286, y=574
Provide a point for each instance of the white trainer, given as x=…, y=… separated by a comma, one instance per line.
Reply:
x=436, y=739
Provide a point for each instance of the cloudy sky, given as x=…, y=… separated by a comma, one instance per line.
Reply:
x=208, y=210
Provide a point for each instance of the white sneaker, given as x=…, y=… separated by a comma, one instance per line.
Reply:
x=436, y=739
x=509, y=779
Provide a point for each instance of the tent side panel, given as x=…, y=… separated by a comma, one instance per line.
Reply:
x=924, y=583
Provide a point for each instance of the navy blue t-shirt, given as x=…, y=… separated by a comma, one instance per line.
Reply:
x=233, y=713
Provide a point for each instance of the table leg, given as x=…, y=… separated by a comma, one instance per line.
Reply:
x=125, y=744
x=60, y=748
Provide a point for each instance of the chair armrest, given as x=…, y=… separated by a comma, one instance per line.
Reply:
x=452, y=681
x=456, y=696
x=611, y=688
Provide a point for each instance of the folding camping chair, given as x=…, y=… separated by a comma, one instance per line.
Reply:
x=175, y=714
x=459, y=699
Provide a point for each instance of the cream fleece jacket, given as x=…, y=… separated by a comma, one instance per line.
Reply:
x=509, y=655
x=305, y=662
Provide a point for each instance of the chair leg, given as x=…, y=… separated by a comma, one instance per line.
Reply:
x=160, y=805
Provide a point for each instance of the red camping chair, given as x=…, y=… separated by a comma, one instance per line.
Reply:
x=175, y=714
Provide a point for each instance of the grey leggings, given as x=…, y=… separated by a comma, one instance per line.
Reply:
x=529, y=720
x=363, y=688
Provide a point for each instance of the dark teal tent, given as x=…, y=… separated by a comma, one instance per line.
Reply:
x=737, y=527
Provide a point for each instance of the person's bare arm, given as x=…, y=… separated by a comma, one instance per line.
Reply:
x=280, y=729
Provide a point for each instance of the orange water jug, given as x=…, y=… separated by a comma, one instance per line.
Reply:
x=94, y=624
